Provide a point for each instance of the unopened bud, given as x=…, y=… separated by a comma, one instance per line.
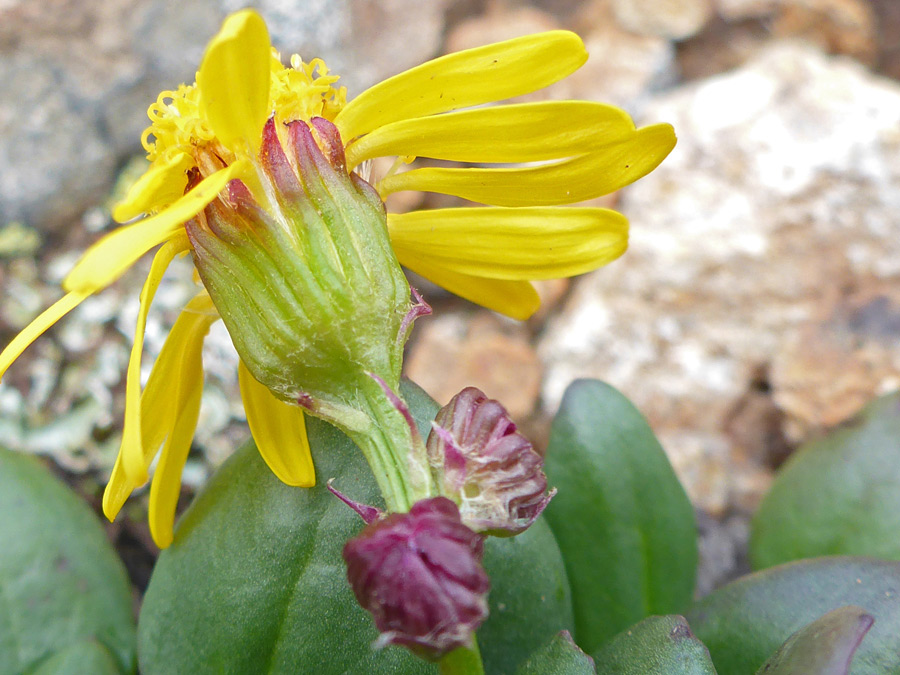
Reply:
x=420, y=576
x=483, y=464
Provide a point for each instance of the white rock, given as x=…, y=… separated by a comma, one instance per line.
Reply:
x=779, y=197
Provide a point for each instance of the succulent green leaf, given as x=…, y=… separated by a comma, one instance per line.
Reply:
x=561, y=657
x=658, y=645
x=824, y=647
x=254, y=580
x=62, y=586
x=530, y=599
x=82, y=658
x=839, y=495
x=622, y=520
x=744, y=622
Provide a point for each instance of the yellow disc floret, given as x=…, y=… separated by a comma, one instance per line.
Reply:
x=301, y=91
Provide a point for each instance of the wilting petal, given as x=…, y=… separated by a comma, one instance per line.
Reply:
x=574, y=180
x=163, y=183
x=541, y=242
x=462, y=79
x=166, y=484
x=175, y=375
x=279, y=430
x=107, y=260
x=234, y=81
x=516, y=299
x=526, y=132
x=131, y=434
x=33, y=331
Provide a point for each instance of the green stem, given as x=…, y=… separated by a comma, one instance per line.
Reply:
x=462, y=661
x=388, y=444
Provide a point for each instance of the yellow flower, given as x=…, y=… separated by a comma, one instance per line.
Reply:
x=205, y=135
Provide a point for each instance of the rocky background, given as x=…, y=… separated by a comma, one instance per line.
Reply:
x=758, y=304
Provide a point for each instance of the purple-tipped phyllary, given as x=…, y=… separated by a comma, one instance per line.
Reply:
x=420, y=576
x=486, y=466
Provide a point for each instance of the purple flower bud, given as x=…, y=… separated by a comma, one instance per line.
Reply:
x=420, y=576
x=485, y=465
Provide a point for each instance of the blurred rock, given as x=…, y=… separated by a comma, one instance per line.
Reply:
x=838, y=26
x=723, y=551
x=496, y=24
x=624, y=68
x=738, y=10
x=674, y=19
x=769, y=238
x=78, y=75
x=451, y=352
x=722, y=46
x=887, y=23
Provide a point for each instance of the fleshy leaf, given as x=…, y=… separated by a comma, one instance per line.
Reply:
x=744, y=622
x=623, y=522
x=658, y=645
x=561, y=657
x=527, y=243
x=62, y=584
x=824, y=647
x=462, y=79
x=837, y=495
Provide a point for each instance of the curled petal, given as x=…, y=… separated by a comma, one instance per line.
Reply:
x=279, y=430
x=33, y=331
x=107, y=260
x=574, y=180
x=516, y=244
x=166, y=484
x=462, y=79
x=131, y=448
x=234, y=81
x=163, y=183
x=177, y=373
x=515, y=299
x=527, y=132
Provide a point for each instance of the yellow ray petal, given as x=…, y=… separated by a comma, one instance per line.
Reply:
x=279, y=430
x=131, y=449
x=234, y=81
x=574, y=180
x=525, y=243
x=515, y=299
x=118, y=488
x=526, y=132
x=166, y=484
x=33, y=331
x=107, y=260
x=471, y=77
x=161, y=184
x=175, y=375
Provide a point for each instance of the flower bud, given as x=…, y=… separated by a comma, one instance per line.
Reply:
x=301, y=269
x=420, y=576
x=487, y=467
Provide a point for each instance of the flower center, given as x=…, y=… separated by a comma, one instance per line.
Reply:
x=298, y=92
